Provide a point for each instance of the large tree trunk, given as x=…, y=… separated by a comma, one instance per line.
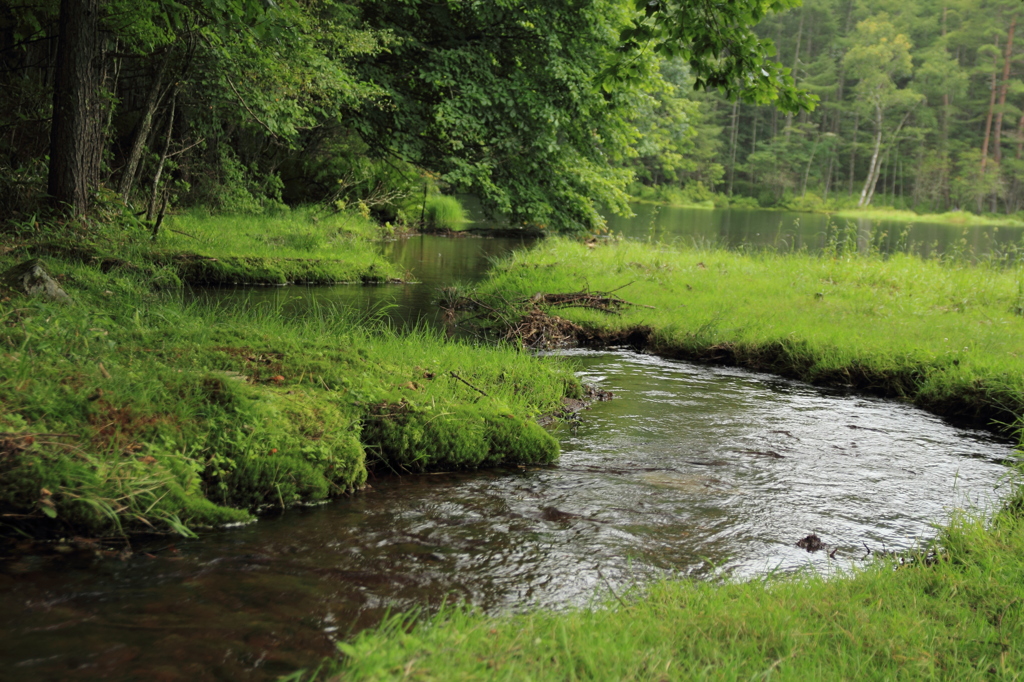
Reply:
x=853, y=149
x=733, y=134
x=997, y=151
x=76, y=133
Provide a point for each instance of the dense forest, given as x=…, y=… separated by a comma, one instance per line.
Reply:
x=919, y=108
x=551, y=113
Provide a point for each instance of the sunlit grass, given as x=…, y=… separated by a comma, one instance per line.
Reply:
x=299, y=233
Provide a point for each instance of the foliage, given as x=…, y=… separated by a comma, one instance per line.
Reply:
x=720, y=46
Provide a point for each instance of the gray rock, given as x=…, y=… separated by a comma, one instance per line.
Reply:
x=32, y=279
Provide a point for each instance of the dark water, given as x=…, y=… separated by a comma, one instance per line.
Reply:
x=812, y=231
x=690, y=470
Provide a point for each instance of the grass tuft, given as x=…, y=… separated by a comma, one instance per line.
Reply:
x=444, y=212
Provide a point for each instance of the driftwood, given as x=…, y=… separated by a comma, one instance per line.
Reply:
x=527, y=319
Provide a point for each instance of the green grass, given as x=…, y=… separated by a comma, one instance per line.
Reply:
x=131, y=409
x=945, y=335
x=300, y=246
x=950, y=218
x=443, y=212
x=959, y=619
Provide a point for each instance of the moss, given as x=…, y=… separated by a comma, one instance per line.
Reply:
x=408, y=439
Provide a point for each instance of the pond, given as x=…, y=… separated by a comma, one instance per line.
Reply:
x=788, y=231
x=689, y=470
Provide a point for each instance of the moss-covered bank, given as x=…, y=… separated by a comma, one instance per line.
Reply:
x=948, y=336
x=129, y=409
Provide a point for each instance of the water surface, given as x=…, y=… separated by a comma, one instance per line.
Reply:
x=788, y=231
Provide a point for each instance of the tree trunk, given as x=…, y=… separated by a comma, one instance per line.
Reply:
x=76, y=132
x=1020, y=134
x=828, y=176
x=155, y=195
x=142, y=130
x=853, y=149
x=988, y=121
x=869, y=182
x=732, y=143
x=796, y=62
x=997, y=151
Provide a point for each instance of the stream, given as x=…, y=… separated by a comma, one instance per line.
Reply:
x=690, y=470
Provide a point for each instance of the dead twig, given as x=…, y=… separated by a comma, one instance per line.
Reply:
x=456, y=376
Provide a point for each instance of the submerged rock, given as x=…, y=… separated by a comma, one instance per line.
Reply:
x=32, y=279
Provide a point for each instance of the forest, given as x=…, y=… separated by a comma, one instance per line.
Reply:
x=552, y=114
x=919, y=107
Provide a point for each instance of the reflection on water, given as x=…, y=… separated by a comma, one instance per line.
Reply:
x=428, y=261
x=788, y=231
x=688, y=465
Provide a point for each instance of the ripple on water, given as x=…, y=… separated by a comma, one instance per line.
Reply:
x=688, y=465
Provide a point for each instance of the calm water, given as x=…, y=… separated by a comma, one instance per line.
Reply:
x=430, y=262
x=687, y=465
x=791, y=231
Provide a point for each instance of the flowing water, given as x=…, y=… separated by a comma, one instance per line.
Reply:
x=689, y=470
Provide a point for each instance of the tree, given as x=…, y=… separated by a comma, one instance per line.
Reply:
x=720, y=45
x=879, y=56
x=76, y=139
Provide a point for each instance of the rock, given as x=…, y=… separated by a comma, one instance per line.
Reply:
x=812, y=543
x=32, y=279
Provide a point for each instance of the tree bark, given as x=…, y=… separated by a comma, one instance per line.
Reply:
x=155, y=194
x=732, y=143
x=997, y=151
x=796, y=63
x=76, y=132
x=853, y=148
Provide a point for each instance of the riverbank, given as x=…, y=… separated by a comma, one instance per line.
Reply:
x=907, y=217
x=956, y=617
x=131, y=409
x=941, y=335
x=302, y=246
